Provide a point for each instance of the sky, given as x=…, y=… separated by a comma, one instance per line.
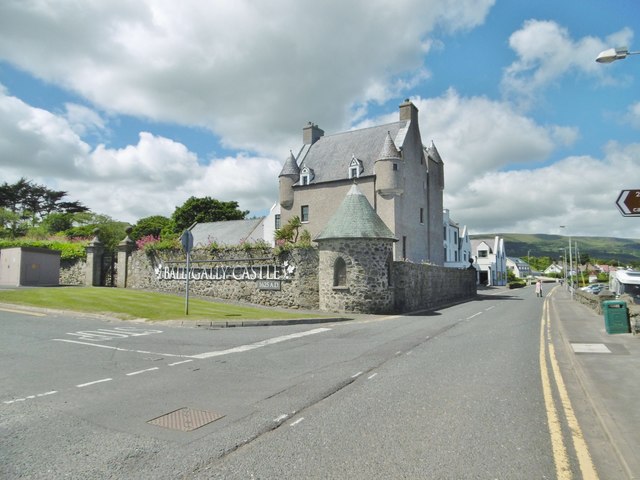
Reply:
x=133, y=107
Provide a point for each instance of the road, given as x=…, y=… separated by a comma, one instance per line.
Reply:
x=465, y=392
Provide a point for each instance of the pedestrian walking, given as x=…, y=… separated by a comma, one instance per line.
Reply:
x=539, y=288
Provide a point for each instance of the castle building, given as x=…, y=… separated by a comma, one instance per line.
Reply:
x=401, y=179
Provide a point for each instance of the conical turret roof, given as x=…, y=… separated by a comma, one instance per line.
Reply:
x=389, y=149
x=355, y=218
x=290, y=166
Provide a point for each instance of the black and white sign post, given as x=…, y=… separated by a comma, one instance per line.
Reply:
x=187, y=245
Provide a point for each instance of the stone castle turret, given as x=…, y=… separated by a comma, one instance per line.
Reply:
x=388, y=168
x=289, y=176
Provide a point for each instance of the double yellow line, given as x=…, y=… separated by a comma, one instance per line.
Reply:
x=558, y=444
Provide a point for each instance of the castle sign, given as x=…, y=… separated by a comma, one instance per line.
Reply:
x=261, y=273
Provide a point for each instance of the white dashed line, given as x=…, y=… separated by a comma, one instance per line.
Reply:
x=296, y=422
x=356, y=375
x=142, y=371
x=93, y=383
x=474, y=315
x=179, y=363
x=371, y=376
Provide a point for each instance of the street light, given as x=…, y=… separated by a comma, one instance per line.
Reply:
x=613, y=54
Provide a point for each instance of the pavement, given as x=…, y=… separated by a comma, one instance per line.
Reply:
x=607, y=367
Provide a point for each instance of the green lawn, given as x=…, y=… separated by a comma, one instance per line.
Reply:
x=130, y=304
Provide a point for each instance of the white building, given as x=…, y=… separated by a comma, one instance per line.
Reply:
x=490, y=260
x=457, y=246
x=519, y=267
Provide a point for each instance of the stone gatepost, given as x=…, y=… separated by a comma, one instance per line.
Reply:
x=95, y=249
x=125, y=248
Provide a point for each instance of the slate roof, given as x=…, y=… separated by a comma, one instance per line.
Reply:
x=330, y=156
x=355, y=218
x=229, y=232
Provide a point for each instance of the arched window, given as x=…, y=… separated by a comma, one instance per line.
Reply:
x=339, y=273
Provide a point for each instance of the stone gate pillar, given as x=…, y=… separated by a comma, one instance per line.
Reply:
x=125, y=247
x=93, y=272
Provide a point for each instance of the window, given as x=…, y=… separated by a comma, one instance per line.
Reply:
x=483, y=254
x=404, y=247
x=445, y=233
x=304, y=213
x=455, y=237
x=277, y=225
x=395, y=167
x=421, y=215
x=306, y=176
x=355, y=168
x=339, y=273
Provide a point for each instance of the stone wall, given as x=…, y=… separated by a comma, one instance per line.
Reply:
x=421, y=286
x=72, y=272
x=296, y=277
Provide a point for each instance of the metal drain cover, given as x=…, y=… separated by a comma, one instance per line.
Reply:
x=185, y=419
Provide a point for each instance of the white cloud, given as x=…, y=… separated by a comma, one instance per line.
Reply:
x=546, y=52
x=151, y=177
x=475, y=135
x=228, y=66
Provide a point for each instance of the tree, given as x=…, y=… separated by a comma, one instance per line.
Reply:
x=112, y=232
x=30, y=201
x=205, y=209
x=153, y=225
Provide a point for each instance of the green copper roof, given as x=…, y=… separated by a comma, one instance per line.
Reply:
x=355, y=218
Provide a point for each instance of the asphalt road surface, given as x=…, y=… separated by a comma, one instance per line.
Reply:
x=466, y=392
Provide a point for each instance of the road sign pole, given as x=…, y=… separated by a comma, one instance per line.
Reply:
x=186, y=295
x=187, y=244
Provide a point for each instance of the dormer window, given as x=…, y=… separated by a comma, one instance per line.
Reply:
x=355, y=167
x=306, y=176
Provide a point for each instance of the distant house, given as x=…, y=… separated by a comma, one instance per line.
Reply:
x=237, y=232
x=490, y=260
x=519, y=267
x=457, y=246
x=553, y=269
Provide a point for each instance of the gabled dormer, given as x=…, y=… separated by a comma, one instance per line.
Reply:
x=306, y=175
x=355, y=167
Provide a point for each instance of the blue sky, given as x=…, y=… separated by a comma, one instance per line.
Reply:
x=132, y=107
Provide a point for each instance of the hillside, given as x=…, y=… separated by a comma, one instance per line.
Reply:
x=607, y=249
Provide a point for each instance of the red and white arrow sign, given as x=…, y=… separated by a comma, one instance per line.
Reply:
x=629, y=203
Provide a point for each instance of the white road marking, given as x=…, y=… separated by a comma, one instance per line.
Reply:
x=179, y=363
x=263, y=343
x=93, y=383
x=489, y=308
x=121, y=349
x=9, y=402
x=282, y=417
x=296, y=422
x=474, y=315
x=356, y=375
x=371, y=376
x=142, y=371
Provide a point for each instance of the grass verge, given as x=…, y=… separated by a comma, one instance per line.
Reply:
x=130, y=304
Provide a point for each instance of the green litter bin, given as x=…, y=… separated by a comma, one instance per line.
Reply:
x=616, y=316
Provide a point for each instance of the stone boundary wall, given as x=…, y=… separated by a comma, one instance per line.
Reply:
x=72, y=272
x=414, y=286
x=421, y=287
x=299, y=290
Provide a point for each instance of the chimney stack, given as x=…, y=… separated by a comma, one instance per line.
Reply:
x=408, y=111
x=311, y=134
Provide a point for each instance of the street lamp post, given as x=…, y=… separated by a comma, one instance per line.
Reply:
x=570, y=266
x=613, y=54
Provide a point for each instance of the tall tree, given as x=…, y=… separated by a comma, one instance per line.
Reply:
x=205, y=209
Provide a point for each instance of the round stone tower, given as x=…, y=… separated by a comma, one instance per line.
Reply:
x=355, y=259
